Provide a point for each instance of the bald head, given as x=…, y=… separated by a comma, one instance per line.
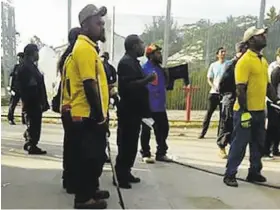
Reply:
x=133, y=43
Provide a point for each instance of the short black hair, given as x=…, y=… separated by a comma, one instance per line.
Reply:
x=30, y=49
x=130, y=41
x=20, y=55
x=218, y=50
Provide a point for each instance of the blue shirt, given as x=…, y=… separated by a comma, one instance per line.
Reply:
x=215, y=72
x=157, y=91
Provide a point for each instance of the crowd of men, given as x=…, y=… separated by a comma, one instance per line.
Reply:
x=88, y=84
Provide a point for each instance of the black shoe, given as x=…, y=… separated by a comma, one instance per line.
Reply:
x=230, y=181
x=108, y=160
x=98, y=204
x=27, y=146
x=34, y=150
x=201, y=136
x=163, y=158
x=133, y=179
x=277, y=154
x=101, y=194
x=12, y=122
x=123, y=184
x=255, y=177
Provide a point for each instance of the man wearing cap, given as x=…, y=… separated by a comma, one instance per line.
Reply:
x=227, y=90
x=86, y=83
x=252, y=86
x=15, y=96
x=133, y=106
x=34, y=97
x=273, y=115
x=157, y=101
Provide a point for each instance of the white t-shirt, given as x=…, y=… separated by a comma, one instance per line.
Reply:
x=215, y=72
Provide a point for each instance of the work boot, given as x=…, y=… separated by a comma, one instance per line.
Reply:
x=163, y=158
x=91, y=204
x=148, y=160
x=223, y=153
x=230, y=181
x=101, y=194
x=34, y=150
x=255, y=177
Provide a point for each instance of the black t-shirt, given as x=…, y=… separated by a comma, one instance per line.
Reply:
x=227, y=82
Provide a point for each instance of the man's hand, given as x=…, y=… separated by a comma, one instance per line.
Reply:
x=151, y=77
x=103, y=127
x=246, y=120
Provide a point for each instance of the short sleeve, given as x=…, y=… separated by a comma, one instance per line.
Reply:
x=242, y=72
x=210, y=73
x=85, y=58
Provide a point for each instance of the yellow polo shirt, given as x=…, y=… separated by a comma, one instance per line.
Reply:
x=85, y=64
x=252, y=71
x=65, y=97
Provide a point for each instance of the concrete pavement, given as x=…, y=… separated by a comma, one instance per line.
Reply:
x=35, y=181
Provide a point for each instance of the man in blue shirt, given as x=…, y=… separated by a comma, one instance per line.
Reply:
x=157, y=101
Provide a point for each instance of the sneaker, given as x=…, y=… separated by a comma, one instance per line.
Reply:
x=268, y=157
x=223, y=153
x=91, y=204
x=255, y=177
x=101, y=194
x=230, y=181
x=34, y=150
x=163, y=158
x=148, y=160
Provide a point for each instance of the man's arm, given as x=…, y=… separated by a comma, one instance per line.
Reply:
x=210, y=76
x=271, y=93
x=86, y=62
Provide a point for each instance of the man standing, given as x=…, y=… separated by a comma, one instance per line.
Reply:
x=214, y=75
x=133, y=106
x=227, y=91
x=157, y=100
x=273, y=125
x=87, y=86
x=252, y=86
x=15, y=96
x=33, y=93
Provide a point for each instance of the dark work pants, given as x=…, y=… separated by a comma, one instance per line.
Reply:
x=254, y=136
x=34, y=123
x=273, y=130
x=12, y=105
x=161, y=129
x=88, y=158
x=226, y=121
x=67, y=175
x=213, y=103
x=128, y=134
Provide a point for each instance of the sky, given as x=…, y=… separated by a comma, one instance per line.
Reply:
x=48, y=18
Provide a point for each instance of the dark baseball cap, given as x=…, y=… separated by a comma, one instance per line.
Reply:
x=91, y=10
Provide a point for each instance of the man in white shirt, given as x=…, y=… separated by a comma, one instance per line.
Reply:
x=214, y=75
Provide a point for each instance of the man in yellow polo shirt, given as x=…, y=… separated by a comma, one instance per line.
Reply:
x=87, y=84
x=252, y=86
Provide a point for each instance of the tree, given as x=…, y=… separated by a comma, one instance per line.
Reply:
x=271, y=15
x=154, y=33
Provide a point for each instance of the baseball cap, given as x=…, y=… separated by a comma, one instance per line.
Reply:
x=253, y=31
x=152, y=48
x=91, y=10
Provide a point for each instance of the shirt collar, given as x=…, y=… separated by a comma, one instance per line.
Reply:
x=252, y=53
x=85, y=38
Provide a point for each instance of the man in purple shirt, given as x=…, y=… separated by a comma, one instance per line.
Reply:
x=157, y=100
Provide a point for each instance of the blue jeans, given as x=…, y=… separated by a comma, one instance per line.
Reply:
x=255, y=136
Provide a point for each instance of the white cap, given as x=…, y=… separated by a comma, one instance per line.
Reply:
x=253, y=31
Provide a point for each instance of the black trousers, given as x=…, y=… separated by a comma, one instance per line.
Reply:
x=213, y=103
x=12, y=105
x=226, y=121
x=88, y=158
x=67, y=174
x=273, y=131
x=128, y=134
x=161, y=130
x=34, y=123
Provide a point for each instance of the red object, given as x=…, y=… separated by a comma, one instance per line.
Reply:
x=189, y=90
x=155, y=82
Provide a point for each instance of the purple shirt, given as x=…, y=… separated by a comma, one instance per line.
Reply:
x=157, y=91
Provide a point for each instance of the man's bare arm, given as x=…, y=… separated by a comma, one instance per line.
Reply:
x=271, y=93
x=242, y=96
x=210, y=82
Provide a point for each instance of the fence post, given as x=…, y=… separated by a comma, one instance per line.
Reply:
x=189, y=90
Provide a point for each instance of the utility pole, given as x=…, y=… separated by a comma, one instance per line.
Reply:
x=113, y=35
x=262, y=13
x=166, y=33
x=69, y=12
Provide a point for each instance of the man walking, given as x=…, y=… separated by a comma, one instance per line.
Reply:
x=86, y=83
x=227, y=90
x=133, y=106
x=252, y=86
x=214, y=75
x=15, y=95
x=157, y=101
